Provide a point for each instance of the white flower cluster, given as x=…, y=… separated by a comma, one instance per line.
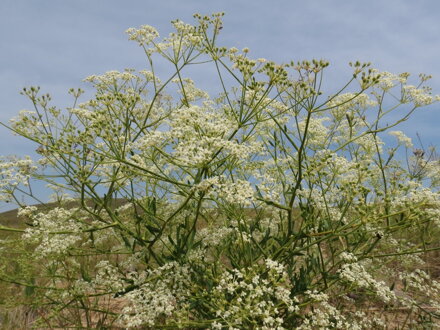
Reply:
x=348, y=257
x=349, y=103
x=27, y=123
x=422, y=289
x=185, y=37
x=317, y=132
x=195, y=121
x=422, y=282
x=55, y=230
x=420, y=96
x=214, y=236
x=108, y=277
x=402, y=138
x=326, y=316
x=14, y=172
x=423, y=202
x=238, y=191
x=150, y=139
x=144, y=35
x=389, y=80
x=189, y=91
x=354, y=272
x=270, y=175
x=271, y=223
x=200, y=132
x=158, y=293
x=183, y=27
x=433, y=172
x=247, y=295
x=109, y=78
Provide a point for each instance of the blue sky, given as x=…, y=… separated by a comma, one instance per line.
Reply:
x=55, y=44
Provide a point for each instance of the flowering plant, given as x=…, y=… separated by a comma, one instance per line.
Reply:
x=270, y=206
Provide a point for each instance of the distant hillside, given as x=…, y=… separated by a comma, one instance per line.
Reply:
x=10, y=219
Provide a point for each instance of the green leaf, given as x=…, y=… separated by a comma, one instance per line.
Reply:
x=152, y=229
x=30, y=289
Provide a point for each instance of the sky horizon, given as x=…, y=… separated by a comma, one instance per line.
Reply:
x=57, y=44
